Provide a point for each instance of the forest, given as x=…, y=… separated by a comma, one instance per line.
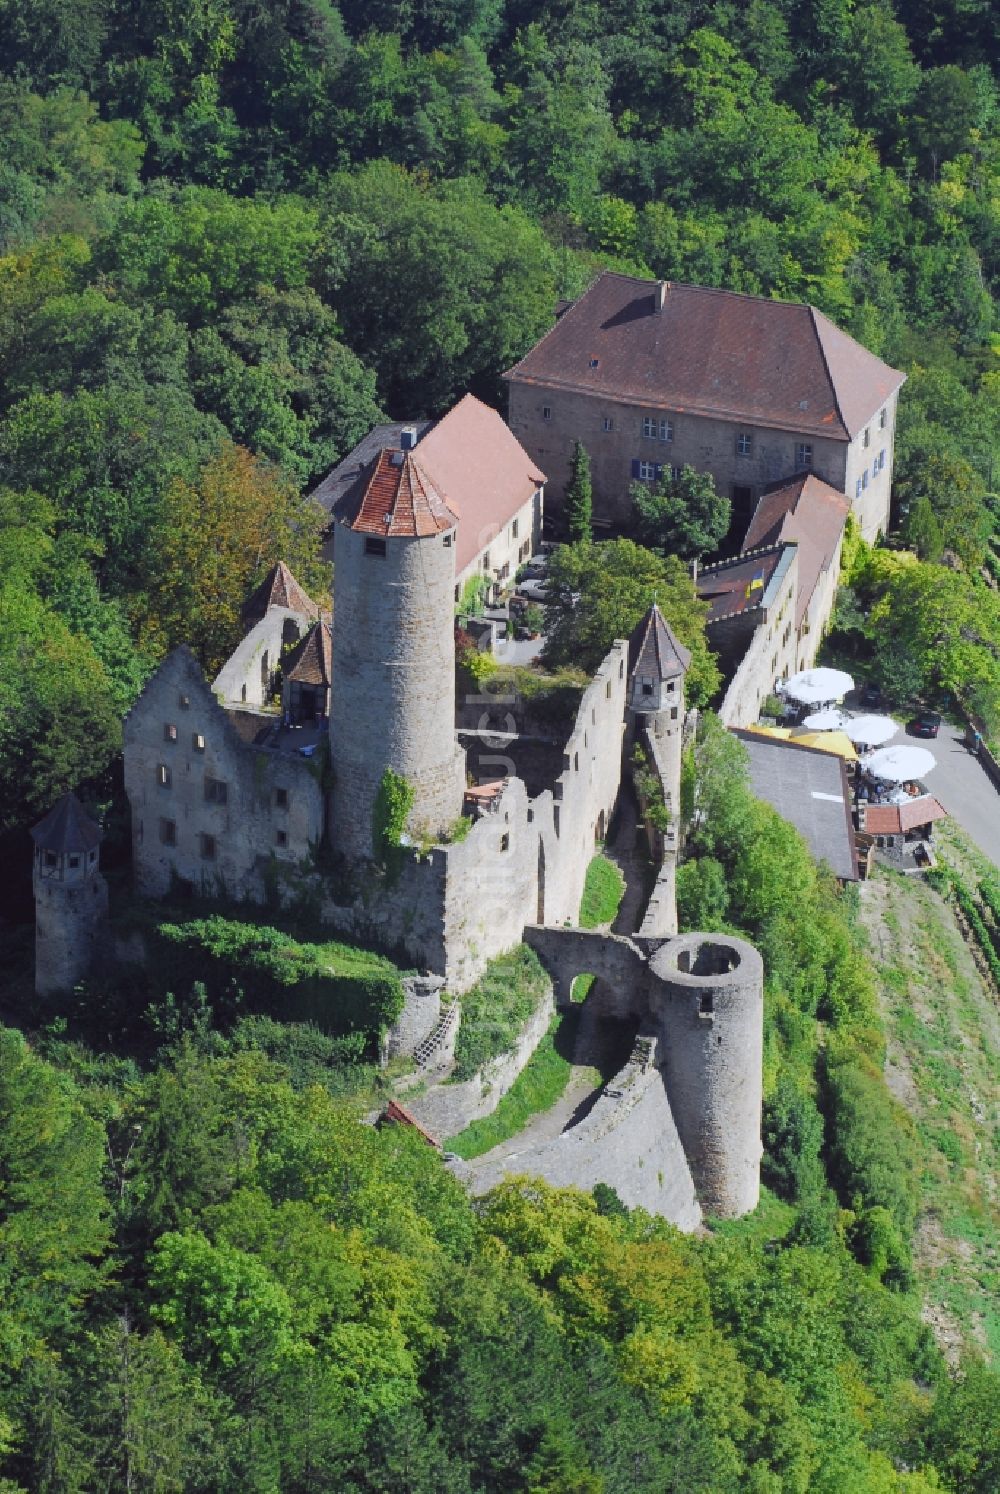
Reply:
x=232, y=236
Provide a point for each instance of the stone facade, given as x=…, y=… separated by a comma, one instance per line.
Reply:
x=393, y=696
x=250, y=674
x=707, y=444
x=71, y=906
x=210, y=809
x=700, y=999
x=761, y=642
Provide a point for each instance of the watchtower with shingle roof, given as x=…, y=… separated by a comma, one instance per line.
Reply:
x=658, y=662
x=71, y=896
x=393, y=689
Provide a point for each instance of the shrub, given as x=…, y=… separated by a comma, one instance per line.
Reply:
x=497, y=1007
x=603, y=890
x=793, y=1136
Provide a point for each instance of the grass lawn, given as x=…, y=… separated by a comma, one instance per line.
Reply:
x=539, y=1085
x=603, y=891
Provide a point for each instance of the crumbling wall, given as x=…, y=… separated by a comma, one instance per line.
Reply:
x=246, y=676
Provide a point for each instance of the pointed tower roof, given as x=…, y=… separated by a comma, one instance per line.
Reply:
x=279, y=588
x=397, y=498
x=67, y=827
x=310, y=661
x=655, y=651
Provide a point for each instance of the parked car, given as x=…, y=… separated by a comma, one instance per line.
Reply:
x=924, y=724
x=871, y=696
x=535, y=591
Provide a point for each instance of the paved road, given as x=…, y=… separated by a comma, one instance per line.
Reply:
x=959, y=783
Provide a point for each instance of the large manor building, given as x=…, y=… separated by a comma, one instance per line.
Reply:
x=652, y=376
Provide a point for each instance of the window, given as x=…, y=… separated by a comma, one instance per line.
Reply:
x=216, y=792
x=666, y=431
x=647, y=471
x=881, y=459
x=74, y=862
x=647, y=686
x=486, y=560
x=803, y=455
x=197, y=741
x=864, y=478
x=595, y=362
x=374, y=546
x=170, y=732
x=609, y=423
x=449, y=539
x=744, y=444
x=163, y=775
x=866, y=439
x=857, y=488
x=675, y=474
x=546, y=412
x=505, y=842
x=184, y=701
x=51, y=859
x=281, y=837
x=168, y=833
x=281, y=798
x=883, y=419
x=514, y=529
x=648, y=425
x=207, y=843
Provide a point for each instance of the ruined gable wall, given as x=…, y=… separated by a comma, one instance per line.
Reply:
x=245, y=828
x=770, y=655
x=246, y=676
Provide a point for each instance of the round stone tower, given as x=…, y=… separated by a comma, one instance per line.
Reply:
x=707, y=998
x=71, y=896
x=393, y=691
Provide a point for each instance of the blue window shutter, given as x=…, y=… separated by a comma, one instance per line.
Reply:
x=635, y=467
x=658, y=471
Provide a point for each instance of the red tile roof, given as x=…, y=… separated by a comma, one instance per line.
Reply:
x=478, y=461
x=311, y=660
x=397, y=498
x=279, y=588
x=899, y=819
x=712, y=352
x=398, y=1114
x=810, y=513
x=738, y=585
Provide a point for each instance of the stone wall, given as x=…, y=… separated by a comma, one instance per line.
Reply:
x=870, y=505
x=421, y=1010
x=447, y=1109
x=69, y=926
x=249, y=673
x=818, y=612
x=628, y=1141
x=705, y=443
x=179, y=746
x=393, y=694
x=770, y=653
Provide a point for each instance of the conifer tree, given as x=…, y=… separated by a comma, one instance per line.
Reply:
x=579, y=498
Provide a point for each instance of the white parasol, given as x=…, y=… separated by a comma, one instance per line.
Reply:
x=818, y=686
x=828, y=719
x=871, y=731
x=895, y=764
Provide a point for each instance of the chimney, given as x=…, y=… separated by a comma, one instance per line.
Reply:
x=661, y=293
x=408, y=437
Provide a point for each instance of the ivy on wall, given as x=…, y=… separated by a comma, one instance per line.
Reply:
x=393, y=803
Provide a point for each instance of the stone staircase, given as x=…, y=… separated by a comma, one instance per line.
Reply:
x=437, y=1047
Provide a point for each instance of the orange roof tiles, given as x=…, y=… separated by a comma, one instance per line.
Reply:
x=810, y=513
x=279, y=588
x=311, y=660
x=712, y=352
x=399, y=499
x=899, y=819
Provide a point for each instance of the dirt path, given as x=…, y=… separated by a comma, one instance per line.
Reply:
x=627, y=849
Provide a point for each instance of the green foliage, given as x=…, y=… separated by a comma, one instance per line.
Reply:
x=537, y=1088
x=650, y=791
x=496, y=1008
x=393, y=804
x=603, y=890
x=702, y=895
x=578, y=505
x=681, y=515
x=339, y=988
x=473, y=599
x=598, y=593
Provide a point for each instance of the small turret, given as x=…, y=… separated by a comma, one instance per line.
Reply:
x=657, y=666
x=71, y=896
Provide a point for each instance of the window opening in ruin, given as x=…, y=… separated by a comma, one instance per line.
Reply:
x=74, y=862
x=169, y=732
x=198, y=741
x=207, y=847
x=374, y=546
x=184, y=701
x=168, y=833
x=505, y=842
x=163, y=775
x=281, y=798
x=281, y=837
x=707, y=1004
x=216, y=792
